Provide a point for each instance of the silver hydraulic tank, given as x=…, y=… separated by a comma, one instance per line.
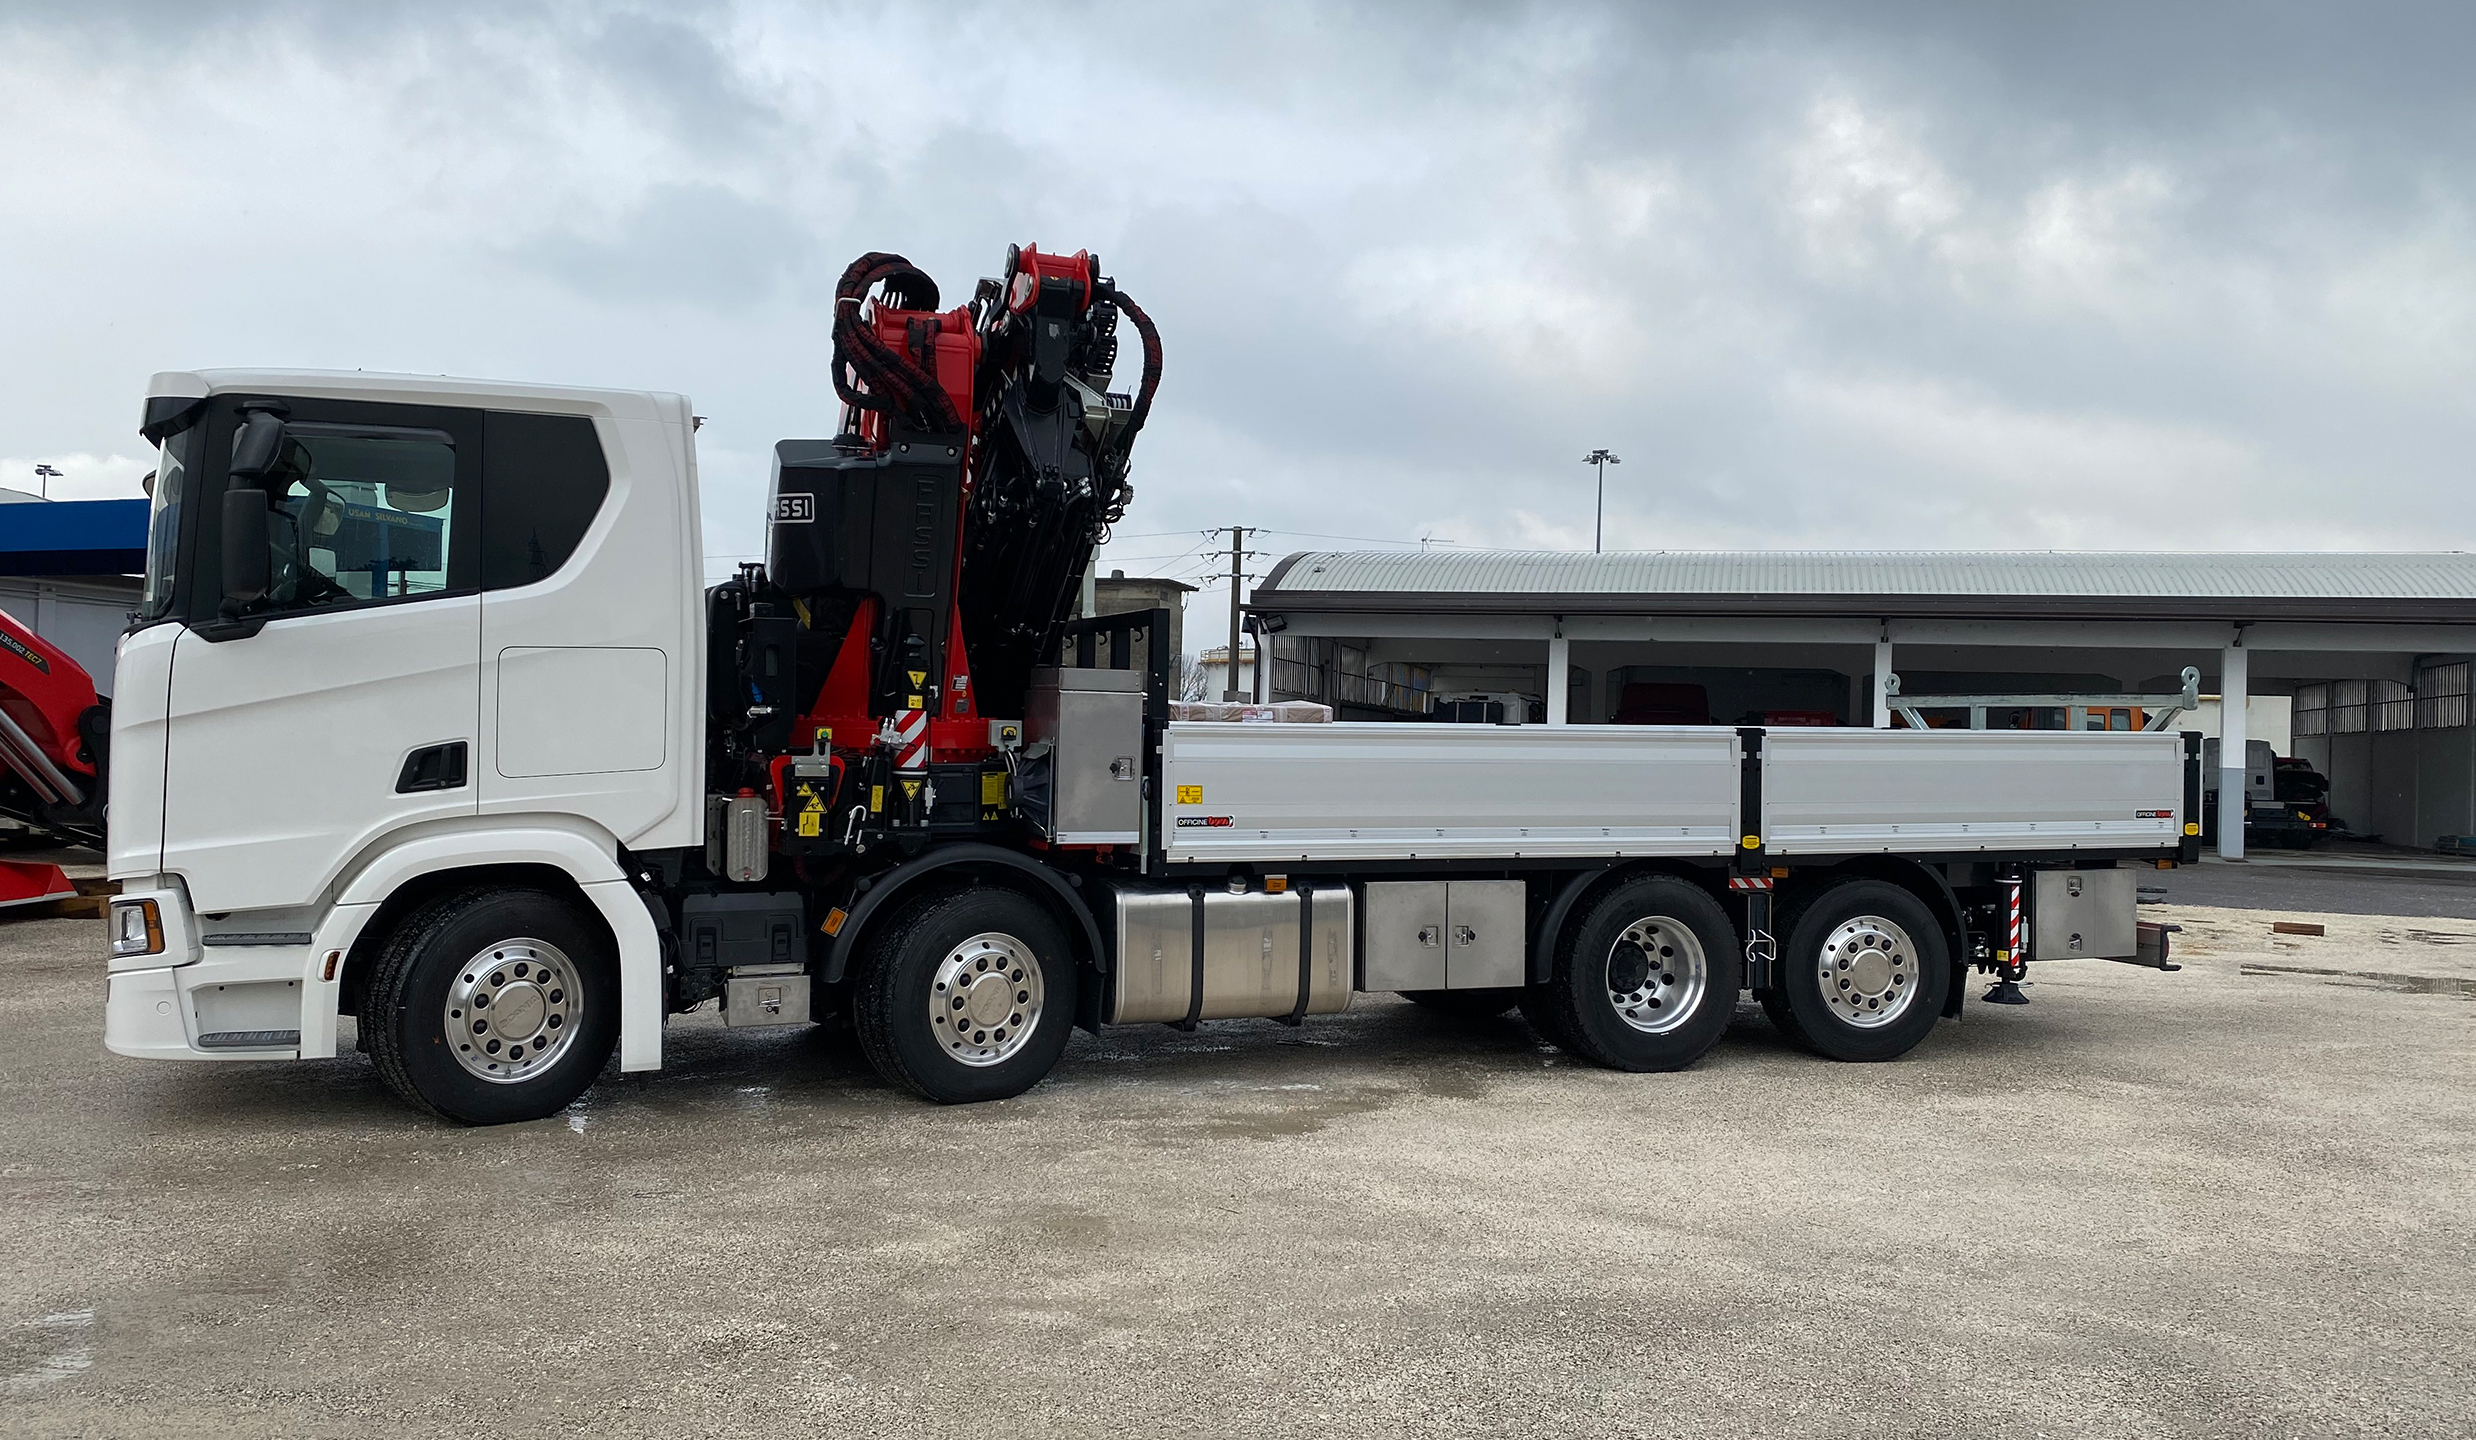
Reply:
x=1258, y=950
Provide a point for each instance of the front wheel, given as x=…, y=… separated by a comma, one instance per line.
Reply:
x=1863, y=974
x=494, y=1005
x=966, y=996
x=1648, y=980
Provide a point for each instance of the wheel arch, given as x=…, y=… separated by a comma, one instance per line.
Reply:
x=983, y=864
x=583, y=868
x=1569, y=902
x=1930, y=888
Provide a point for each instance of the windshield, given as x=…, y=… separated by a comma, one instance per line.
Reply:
x=163, y=523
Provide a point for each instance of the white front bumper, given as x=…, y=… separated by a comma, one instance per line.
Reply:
x=201, y=1001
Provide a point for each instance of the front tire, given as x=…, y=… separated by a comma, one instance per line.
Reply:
x=1648, y=980
x=966, y=996
x=493, y=1006
x=1864, y=973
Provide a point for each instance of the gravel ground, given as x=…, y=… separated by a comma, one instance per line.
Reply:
x=2230, y=1201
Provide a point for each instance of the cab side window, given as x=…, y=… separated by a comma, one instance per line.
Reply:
x=358, y=513
x=543, y=480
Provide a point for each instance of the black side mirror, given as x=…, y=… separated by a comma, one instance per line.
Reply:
x=257, y=444
x=244, y=548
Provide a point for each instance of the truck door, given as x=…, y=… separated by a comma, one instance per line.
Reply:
x=343, y=705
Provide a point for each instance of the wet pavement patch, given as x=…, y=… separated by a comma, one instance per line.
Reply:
x=2461, y=986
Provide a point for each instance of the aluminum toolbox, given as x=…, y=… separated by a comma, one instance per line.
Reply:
x=1445, y=935
x=2084, y=914
x=1088, y=788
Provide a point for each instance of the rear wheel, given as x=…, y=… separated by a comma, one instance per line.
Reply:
x=1648, y=980
x=1863, y=974
x=493, y=1006
x=1467, y=1004
x=966, y=996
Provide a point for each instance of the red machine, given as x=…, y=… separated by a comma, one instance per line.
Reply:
x=54, y=733
x=920, y=563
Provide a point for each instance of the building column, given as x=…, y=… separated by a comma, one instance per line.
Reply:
x=1882, y=684
x=2234, y=684
x=1560, y=676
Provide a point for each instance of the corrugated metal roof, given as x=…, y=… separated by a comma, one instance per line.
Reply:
x=2338, y=584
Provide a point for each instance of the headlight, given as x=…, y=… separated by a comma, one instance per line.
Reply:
x=137, y=928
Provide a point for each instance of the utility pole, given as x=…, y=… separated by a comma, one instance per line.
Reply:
x=45, y=475
x=1237, y=573
x=1603, y=458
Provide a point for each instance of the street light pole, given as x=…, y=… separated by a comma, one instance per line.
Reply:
x=44, y=475
x=1602, y=458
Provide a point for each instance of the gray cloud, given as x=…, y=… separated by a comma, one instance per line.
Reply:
x=1898, y=274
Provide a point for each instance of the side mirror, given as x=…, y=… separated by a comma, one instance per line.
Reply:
x=244, y=548
x=257, y=444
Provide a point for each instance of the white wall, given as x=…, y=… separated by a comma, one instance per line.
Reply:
x=2266, y=717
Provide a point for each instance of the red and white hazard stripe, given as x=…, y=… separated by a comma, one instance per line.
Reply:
x=1749, y=882
x=911, y=740
x=2014, y=886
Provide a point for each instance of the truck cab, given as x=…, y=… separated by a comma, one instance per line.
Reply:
x=470, y=649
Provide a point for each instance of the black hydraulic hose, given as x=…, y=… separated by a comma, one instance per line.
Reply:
x=895, y=382
x=1151, y=368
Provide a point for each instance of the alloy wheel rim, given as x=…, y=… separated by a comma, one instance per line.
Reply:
x=1868, y=971
x=985, y=999
x=512, y=1010
x=1657, y=974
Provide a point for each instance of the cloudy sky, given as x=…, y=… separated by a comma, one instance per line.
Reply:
x=1826, y=274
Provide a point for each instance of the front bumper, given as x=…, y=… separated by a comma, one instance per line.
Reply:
x=230, y=996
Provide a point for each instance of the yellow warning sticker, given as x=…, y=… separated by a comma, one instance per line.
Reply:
x=1190, y=794
x=911, y=789
x=993, y=788
x=812, y=817
x=918, y=677
x=915, y=704
x=876, y=798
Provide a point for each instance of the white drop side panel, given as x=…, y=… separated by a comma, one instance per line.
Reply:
x=1352, y=791
x=1845, y=791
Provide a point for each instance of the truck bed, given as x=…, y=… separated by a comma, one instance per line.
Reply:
x=1375, y=791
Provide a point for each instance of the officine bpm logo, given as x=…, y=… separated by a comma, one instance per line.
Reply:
x=1204, y=822
x=795, y=509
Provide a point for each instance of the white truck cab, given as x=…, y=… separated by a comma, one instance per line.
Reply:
x=479, y=653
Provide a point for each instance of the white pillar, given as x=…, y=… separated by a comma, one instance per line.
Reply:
x=1882, y=684
x=2234, y=683
x=1560, y=676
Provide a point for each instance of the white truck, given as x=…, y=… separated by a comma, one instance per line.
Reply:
x=429, y=719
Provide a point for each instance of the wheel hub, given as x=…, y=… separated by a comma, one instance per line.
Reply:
x=512, y=1011
x=985, y=999
x=1868, y=971
x=1657, y=974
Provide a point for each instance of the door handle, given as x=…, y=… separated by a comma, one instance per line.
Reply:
x=1464, y=936
x=1428, y=936
x=432, y=767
